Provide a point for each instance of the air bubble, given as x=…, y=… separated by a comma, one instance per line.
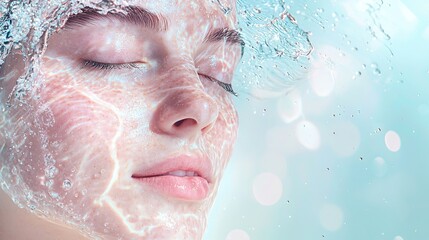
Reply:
x=67, y=184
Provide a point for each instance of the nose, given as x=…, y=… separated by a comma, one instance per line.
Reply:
x=185, y=113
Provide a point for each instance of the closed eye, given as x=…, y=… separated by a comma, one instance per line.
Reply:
x=108, y=66
x=226, y=86
x=116, y=66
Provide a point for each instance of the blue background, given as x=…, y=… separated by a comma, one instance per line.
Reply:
x=321, y=162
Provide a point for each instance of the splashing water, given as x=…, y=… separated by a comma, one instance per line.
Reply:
x=276, y=48
x=275, y=56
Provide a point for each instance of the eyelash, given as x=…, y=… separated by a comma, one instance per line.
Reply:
x=109, y=66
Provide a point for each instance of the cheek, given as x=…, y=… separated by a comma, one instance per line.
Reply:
x=222, y=137
x=66, y=140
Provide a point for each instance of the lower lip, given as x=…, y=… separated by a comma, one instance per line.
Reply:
x=186, y=188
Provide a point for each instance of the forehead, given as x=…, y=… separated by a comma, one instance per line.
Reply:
x=181, y=22
x=193, y=11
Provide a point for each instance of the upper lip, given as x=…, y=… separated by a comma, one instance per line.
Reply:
x=200, y=165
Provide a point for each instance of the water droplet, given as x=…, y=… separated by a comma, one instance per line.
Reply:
x=49, y=160
x=54, y=194
x=51, y=171
x=29, y=196
x=67, y=184
x=377, y=71
x=49, y=183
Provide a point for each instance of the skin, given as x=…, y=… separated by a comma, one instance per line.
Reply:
x=83, y=132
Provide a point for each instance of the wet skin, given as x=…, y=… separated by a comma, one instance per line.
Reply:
x=116, y=99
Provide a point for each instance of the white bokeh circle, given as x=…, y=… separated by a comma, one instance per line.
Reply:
x=322, y=79
x=392, y=141
x=308, y=135
x=331, y=217
x=267, y=189
x=289, y=107
x=237, y=234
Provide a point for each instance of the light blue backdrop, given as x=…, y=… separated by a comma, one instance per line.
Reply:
x=345, y=155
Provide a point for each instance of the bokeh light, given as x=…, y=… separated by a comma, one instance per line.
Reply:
x=322, y=79
x=267, y=189
x=331, y=217
x=308, y=135
x=237, y=234
x=289, y=106
x=392, y=141
x=380, y=168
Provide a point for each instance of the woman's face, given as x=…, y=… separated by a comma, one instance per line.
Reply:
x=128, y=129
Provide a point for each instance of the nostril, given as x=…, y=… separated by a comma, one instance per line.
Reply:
x=178, y=123
x=187, y=122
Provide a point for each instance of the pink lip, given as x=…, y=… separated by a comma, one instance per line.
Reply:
x=192, y=188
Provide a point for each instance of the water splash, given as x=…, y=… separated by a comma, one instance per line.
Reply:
x=277, y=49
x=375, y=27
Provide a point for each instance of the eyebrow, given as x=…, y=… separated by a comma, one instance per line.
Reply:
x=226, y=34
x=140, y=16
x=131, y=14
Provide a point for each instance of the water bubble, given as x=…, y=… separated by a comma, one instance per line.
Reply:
x=67, y=184
x=49, y=160
x=376, y=69
x=398, y=238
x=51, y=171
